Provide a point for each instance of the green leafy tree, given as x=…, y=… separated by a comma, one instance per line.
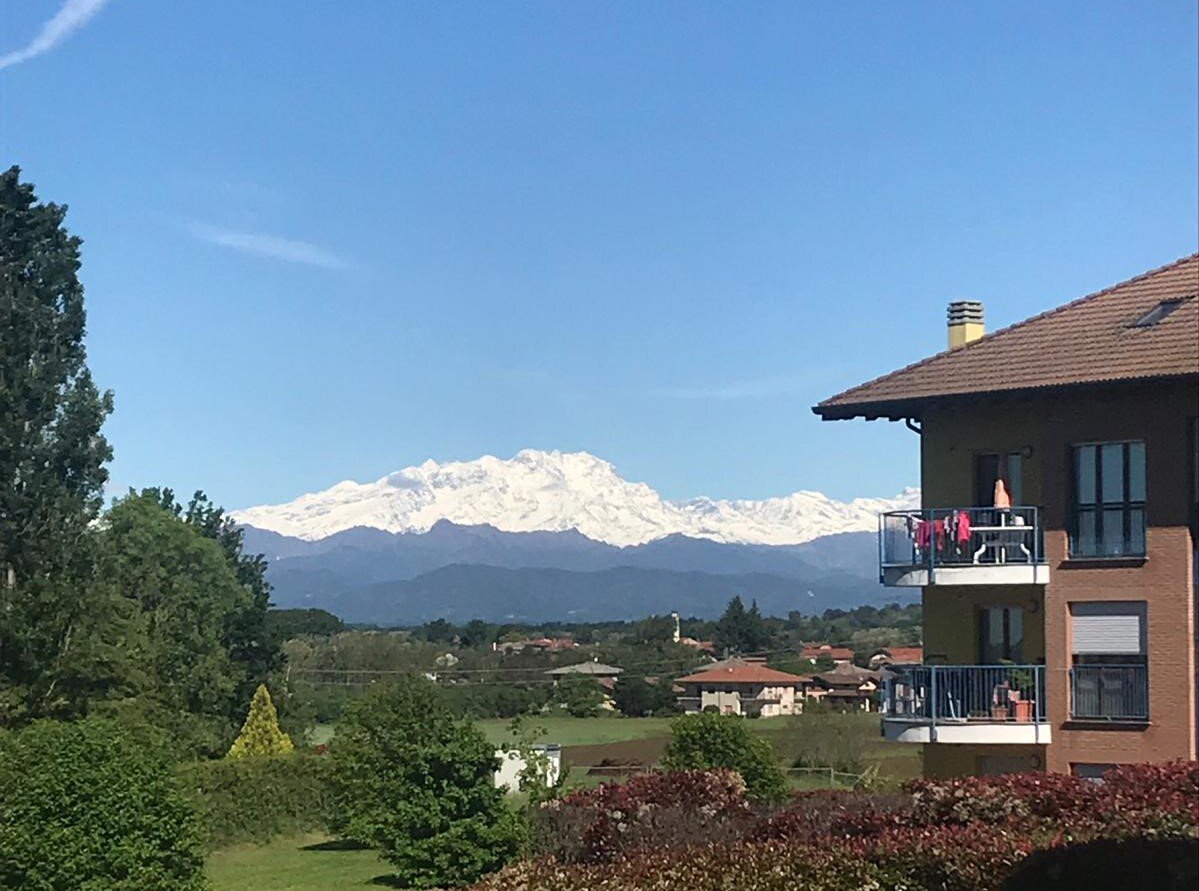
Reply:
x=537, y=780
x=52, y=457
x=93, y=805
x=709, y=741
x=579, y=694
x=653, y=629
x=418, y=785
x=636, y=697
x=247, y=636
x=477, y=633
x=742, y=630
x=288, y=624
x=439, y=631
x=185, y=596
x=260, y=734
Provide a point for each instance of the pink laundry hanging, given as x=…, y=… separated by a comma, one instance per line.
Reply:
x=963, y=528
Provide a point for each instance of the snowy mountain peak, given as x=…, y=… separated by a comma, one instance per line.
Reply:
x=557, y=491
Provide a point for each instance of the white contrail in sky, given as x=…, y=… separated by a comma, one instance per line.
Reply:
x=272, y=246
x=73, y=16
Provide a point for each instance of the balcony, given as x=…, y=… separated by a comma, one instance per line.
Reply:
x=991, y=704
x=962, y=546
x=1109, y=693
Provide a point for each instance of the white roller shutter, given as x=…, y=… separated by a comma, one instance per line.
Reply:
x=1108, y=628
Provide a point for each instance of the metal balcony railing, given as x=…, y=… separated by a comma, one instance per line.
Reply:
x=1109, y=693
x=945, y=694
x=960, y=537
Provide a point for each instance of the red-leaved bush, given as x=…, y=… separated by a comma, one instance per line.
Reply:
x=695, y=832
x=660, y=809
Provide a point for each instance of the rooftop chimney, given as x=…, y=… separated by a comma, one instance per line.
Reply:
x=965, y=322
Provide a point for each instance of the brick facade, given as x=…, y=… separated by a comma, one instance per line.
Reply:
x=1045, y=429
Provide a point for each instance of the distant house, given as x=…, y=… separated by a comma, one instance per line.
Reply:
x=847, y=688
x=741, y=687
x=589, y=669
x=704, y=646
x=542, y=644
x=839, y=655
x=897, y=656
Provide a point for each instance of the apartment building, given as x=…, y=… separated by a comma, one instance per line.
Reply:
x=1056, y=542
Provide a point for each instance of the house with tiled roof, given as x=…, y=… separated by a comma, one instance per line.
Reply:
x=1055, y=547
x=839, y=655
x=846, y=688
x=741, y=687
x=896, y=656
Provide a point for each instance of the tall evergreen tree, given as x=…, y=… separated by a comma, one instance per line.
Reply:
x=52, y=472
x=52, y=455
x=740, y=630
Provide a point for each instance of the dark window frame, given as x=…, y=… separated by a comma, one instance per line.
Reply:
x=1099, y=508
x=984, y=495
x=1009, y=643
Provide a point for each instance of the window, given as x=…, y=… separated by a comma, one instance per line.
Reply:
x=1000, y=635
x=992, y=466
x=1158, y=313
x=1109, y=679
x=1109, y=500
x=1093, y=772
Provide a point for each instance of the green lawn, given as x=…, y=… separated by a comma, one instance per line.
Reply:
x=893, y=759
x=599, y=731
x=294, y=864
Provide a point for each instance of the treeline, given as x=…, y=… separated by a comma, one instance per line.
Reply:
x=897, y=624
x=148, y=611
x=493, y=671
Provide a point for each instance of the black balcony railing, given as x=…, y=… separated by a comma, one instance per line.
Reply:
x=960, y=536
x=1109, y=693
x=945, y=694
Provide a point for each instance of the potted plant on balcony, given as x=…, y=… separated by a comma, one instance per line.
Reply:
x=1021, y=680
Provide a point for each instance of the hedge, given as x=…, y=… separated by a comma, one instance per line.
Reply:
x=970, y=834
x=93, y=806
x=256, y=799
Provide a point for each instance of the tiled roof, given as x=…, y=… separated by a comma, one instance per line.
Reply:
x=596, y=669
x=912, y=655
x=1089, y=341
x=744, y=673
x=815, y=651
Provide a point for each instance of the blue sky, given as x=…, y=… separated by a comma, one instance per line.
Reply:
x=327, y=240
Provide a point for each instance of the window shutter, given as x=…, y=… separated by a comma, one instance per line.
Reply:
x=1108, y=628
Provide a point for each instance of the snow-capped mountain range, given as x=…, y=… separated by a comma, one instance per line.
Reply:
x=558, y=491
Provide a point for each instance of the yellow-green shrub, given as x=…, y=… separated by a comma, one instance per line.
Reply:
x=260, y=734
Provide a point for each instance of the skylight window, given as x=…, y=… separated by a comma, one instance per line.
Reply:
x=1159, y=312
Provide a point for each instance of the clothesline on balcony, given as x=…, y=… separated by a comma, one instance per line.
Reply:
x=956, y=534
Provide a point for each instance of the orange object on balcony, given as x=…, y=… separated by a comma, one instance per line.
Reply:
x=1023, y=708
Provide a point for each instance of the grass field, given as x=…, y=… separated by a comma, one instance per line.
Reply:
x=588, y=741
x=308, y=863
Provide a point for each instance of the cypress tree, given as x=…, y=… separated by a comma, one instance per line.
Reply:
x=52, y=473
x=52, y=455
x=260, y=735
